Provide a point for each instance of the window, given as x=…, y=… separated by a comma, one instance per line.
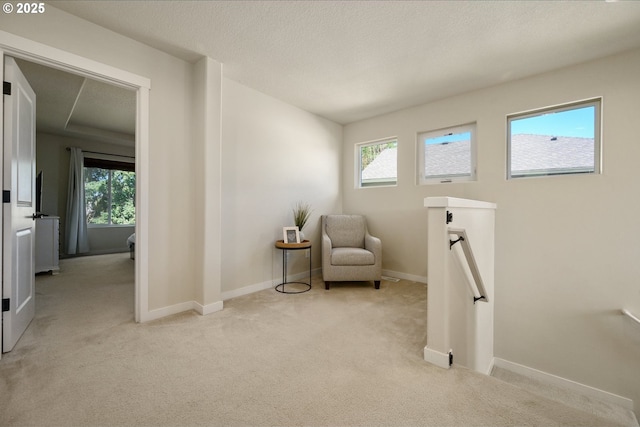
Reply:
x=447, y=155
x=110, y=192
x=377, y=163
x=555, y=141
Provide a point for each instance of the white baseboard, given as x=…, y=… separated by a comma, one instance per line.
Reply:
x=405, y=276
x=209, y=308
x=219, y=305
x=159, y=313
x=257, y=287
x=583, y=389
x=181, y=307
x=436, y=358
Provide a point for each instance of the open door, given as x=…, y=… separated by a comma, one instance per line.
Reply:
x=18, y=239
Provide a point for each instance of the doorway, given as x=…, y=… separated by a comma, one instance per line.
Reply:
x=28, y=50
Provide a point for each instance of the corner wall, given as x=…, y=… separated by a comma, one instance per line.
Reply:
x=566, y=256
x=273, y=155
x=207, y=182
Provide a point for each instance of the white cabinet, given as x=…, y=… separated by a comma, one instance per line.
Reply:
x=47, y=241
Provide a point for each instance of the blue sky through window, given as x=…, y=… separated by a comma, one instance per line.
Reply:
x=578, y=122
x=452, y=137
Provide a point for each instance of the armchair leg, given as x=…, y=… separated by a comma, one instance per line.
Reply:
x=326, y=285
x=377, y=283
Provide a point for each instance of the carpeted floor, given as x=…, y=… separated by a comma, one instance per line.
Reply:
x=351, y=356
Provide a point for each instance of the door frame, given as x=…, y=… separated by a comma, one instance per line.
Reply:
x=19, y=47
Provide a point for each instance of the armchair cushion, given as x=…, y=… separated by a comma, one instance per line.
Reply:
x=352, y=256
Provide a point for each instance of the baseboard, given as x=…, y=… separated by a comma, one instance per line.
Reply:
x=405, y=276
x=583, y=389
x=179, y=308
x=209, y=308
x=167, y=311
x=436, y=358
x=257, y=287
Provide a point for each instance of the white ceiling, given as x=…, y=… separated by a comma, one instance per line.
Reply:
x=350, y=60
x=70, y=105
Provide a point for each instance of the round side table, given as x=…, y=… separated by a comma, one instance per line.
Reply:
x=280, y=244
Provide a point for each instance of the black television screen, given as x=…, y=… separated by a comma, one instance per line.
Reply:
x=39, y=193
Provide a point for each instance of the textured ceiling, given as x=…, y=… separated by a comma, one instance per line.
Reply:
x=349, y=60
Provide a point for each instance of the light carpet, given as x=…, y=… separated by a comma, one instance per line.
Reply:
x=351, y=356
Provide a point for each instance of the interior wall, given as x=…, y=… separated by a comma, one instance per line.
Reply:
x=207, y=209
x=273, y=155
x=52, y=158
x=566, y=257
x=171, y=251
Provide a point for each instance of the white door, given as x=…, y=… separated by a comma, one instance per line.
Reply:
x=18, y=275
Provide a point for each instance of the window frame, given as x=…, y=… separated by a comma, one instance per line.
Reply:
x=423, y=179
x=358, y=163
x=575, y=105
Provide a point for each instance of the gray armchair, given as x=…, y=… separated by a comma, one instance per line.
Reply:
x=349, y=252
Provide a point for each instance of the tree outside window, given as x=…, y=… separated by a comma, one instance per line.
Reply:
x=110, y=196
x=377, y=163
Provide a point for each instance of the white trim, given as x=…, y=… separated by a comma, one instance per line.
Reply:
x=455, y=202
x=56, y=58
x=142, y=204
x=405, y=276
x=257, y=287
x=246, y=290
x=209, y=308
x=436, y=358
x=563, y=382
x=170, y=310
x=167, y=311
x=217, y=306
x=30, y=50
x=492, y=364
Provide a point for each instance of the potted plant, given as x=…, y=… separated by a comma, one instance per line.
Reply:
x=301, y=213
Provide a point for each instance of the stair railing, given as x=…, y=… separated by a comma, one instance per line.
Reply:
x=631, y=315
x=479, y=292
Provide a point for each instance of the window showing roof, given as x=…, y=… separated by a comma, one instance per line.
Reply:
x=533, y=154
x=448, y=159
x=447, y=155
x=377, y=163
x=382, y=167
x=558, y=140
